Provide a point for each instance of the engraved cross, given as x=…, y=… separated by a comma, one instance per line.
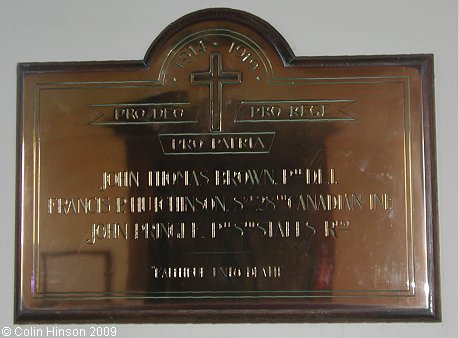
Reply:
x=215, y=78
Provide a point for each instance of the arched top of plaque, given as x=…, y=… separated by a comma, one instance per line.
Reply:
x=258, y=45
x=260, y=49
x=232, y=33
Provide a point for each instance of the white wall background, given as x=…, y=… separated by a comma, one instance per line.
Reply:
x=54, y=30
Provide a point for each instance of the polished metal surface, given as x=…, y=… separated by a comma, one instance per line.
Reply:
x=225, y=179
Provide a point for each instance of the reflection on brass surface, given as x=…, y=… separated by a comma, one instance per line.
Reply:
x=224, y=179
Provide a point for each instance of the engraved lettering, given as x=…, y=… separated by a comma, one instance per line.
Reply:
x=313, y=110
x=238, y=143
x=331, y=227
x=325, y=202
x=251, y=177
x=186, y=144
x=294, y=111
x=177, y=178
x=309, y=176
x=177, y=272
x=119, y=179
x=102, y=231
x=383, y=201
x=92, y=205
x=166, y=230
x=265, y=111
x=178, y=204
x=191, y=52
x=167, y=112
x=242, y=53
x=271, y=271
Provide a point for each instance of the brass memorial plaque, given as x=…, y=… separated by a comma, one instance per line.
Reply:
x=224, y=179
